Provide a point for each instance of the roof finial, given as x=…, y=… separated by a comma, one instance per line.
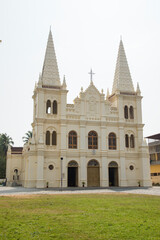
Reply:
x=121, y=37
x=64, y=85
x=107, y=92
x=138, y=89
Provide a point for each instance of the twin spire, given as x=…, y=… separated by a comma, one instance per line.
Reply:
x=50, y=74
x=122, y=78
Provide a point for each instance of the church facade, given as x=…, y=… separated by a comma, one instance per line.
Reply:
x=95, y=142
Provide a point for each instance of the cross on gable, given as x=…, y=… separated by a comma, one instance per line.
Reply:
x=91, y=74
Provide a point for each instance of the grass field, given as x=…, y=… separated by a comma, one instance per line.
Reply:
x=94, y=216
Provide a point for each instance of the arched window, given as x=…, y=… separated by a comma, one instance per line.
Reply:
x=55, y=110
x=132, y=141
x=126, y=141
x=48, y=106
x=92, y=140
x=72, y=139
x=72, y=164
x=48, y=138
x=112, y=141
x=93, y=163
x=54, y=138
x=131, y=112
x=126, y=112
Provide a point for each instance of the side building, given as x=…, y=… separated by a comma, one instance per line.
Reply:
x=95, y=142
x=154, y=152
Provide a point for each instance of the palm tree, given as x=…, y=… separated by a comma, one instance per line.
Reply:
x=5, y=141
x=27, y=136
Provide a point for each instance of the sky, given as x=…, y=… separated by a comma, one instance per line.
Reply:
x=86, y=35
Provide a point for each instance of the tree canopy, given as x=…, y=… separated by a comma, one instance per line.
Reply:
x=5, y=141
x=27, y=136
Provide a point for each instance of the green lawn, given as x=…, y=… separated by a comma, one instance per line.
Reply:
x=94, y=216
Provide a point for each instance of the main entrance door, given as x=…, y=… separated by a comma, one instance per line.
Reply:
x=93, y=176
x=113, y=174
x=72, y=174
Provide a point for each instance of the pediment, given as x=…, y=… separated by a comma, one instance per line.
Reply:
x=92, y=92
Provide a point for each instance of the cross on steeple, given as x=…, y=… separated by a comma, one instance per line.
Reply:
x=91, y=73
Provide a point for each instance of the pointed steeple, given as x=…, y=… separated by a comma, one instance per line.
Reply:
x=64, y=85
x=122, y=78
x=50, y=74
x=138, y=91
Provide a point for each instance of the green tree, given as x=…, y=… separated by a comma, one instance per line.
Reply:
x=5, y=141
x=27, y=136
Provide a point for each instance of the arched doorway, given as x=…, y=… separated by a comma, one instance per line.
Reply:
x=113, y=174
x=72, y=174
x=93, y=176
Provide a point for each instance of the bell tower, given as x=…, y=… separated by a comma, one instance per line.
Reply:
x=128, y=103
x=49, y=110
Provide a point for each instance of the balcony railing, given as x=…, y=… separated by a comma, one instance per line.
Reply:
x=155, y=162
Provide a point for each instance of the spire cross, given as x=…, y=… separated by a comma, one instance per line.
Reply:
x=91, y=73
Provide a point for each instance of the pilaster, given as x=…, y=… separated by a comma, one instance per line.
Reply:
x=82, y=138
x=63, y=171
x=122, y=177
x=40, y=171
x=145, y=179
x=104, y=173
x=83, y=172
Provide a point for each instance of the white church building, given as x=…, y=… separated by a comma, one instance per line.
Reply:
x=95, y=142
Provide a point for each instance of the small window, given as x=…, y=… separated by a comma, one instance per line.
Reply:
x=48, y=107
x=132, y=141
x=153, y=156
x=158, y=156
x=72, y=139
x=131, y=167
x=54, y=138
x=126, y=112
x=48, y=138
x=92, y=140
x=112, y=141
x=16, y=171
x=50, y=167
x=55, y=110
x=131, y=112
x=126, y=141
x=157, y=148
